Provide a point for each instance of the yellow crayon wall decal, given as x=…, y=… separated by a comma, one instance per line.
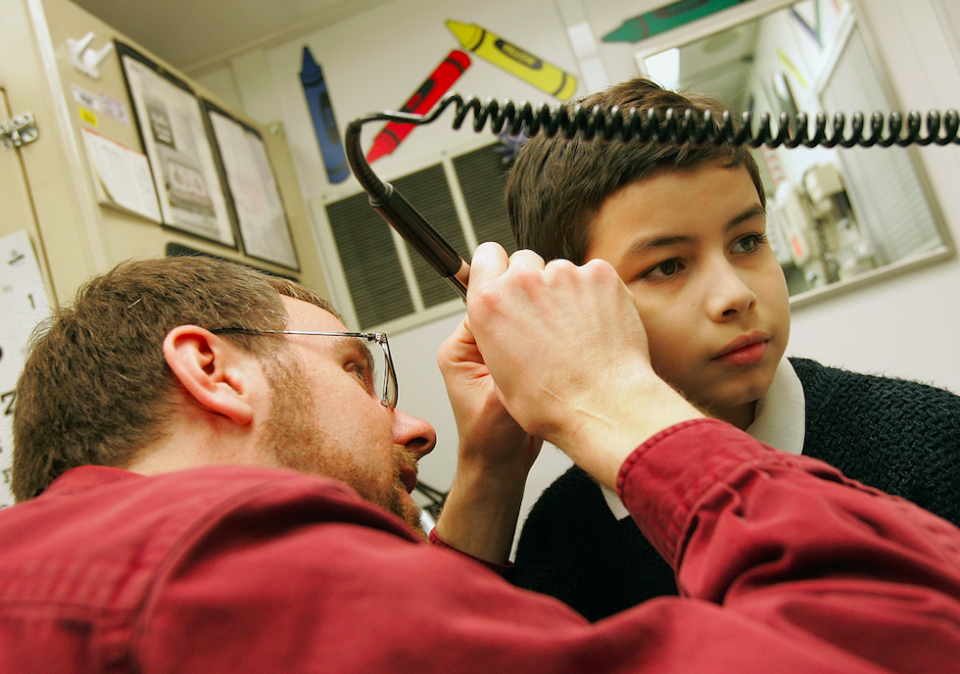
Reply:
x=541, y=74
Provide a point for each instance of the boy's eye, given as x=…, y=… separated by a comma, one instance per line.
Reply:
x=665, y=269
x=749, y=243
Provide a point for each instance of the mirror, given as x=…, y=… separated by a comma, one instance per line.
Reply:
x=836, y=217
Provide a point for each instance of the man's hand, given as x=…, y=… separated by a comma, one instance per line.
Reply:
x=568, y=353
x=495, y=455
x=489, y=437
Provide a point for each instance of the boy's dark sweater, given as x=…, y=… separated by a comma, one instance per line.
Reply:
x=899, y=436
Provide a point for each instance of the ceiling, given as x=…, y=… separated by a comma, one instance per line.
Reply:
x=189, y=34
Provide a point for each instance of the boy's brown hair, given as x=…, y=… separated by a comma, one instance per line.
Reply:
x=557, y=186
x=96, y=388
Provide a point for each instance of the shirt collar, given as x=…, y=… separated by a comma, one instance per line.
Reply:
x=86, y=477
x=779, y=421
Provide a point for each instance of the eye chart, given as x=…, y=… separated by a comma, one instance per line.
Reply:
x=23, y=304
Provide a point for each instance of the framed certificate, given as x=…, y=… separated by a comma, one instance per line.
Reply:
x=170, y=120
x=252, y=192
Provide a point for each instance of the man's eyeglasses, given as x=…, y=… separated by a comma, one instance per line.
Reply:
x=378, y=361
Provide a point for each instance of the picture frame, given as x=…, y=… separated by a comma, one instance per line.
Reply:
x=173, y=132
x=253, y=195
x=174, y=249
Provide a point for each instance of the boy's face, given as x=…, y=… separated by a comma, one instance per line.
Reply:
x=691, y=246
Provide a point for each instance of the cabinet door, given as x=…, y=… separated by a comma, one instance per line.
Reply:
x=17, y=209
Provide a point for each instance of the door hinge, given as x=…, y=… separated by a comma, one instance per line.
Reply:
x=18, y=131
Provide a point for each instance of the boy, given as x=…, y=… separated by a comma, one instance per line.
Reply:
x=685, y=229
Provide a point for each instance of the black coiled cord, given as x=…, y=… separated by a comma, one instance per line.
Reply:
x=666, y=125
x=654, y=125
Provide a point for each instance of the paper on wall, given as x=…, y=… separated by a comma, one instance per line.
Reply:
x=122, y=176
x=23, y=304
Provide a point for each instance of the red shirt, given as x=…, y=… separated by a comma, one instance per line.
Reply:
x=784, y=567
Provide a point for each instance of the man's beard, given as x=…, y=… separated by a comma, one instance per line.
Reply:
x=296, y=443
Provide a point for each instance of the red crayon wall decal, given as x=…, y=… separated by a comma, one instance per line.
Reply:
x=422, y=100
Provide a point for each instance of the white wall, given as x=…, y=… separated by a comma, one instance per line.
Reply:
x=907, y=326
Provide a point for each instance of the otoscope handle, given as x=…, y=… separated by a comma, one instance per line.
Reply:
x=415, y=230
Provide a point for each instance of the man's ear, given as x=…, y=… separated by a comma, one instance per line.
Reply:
x=213, y=370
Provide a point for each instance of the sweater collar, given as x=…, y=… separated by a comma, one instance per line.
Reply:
x=779, y=421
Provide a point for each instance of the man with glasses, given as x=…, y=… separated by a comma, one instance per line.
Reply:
x=152, y=338
x=209, y=470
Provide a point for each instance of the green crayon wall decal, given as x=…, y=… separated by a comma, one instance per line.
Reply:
x=541, y=74
x=665, y=18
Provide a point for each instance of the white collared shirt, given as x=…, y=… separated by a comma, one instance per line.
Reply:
x=779, y=421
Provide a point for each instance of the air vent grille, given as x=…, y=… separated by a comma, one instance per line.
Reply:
x=462, y=197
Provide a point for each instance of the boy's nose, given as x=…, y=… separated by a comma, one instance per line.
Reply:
x=729, y=295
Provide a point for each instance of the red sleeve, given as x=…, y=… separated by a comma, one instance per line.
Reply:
x=504, y=570
x=789, y=541
x=785, y=566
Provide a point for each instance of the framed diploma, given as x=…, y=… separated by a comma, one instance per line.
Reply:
x=170, y=120
x=252, y=193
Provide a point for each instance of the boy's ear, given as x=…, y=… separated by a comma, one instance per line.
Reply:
x=211, y=370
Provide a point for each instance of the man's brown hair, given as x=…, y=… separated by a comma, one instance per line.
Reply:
x=96, y=388
x=557, y=186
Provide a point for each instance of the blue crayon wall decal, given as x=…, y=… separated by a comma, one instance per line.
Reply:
x=324, y=123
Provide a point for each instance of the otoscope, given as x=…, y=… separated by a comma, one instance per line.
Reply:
x=614, y=125
x=400, y=213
